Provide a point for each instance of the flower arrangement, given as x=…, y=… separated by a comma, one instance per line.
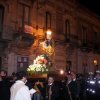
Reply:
x=40, y=65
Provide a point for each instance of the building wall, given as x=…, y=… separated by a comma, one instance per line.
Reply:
x=65, y=51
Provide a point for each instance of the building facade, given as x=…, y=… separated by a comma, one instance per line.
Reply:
x=23, y=27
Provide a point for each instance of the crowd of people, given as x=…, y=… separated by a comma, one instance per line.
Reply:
x=93, y=86
x=71, y=87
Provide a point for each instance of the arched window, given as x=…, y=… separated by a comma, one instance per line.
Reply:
x=48, y=20
x=67, y=29
x=24, y=14
x=1, y=19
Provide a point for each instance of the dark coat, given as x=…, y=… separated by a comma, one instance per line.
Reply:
x=4, y=90
x=55, y=92
x=45, y=91
x=70, y=90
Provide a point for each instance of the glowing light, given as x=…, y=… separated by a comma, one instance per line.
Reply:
x=92, y=82
x=98, y=82
x=93, y=91
x=61, y=72
x=49, y=34
x=95, y=62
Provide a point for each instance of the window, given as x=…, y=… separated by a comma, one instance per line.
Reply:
x=22, y=63
x=26, y=11
x=48, y=20
x=24, y=14
x=69, y=65
x=67, y=29
x=1, y=19
x=95, y=37
x=84, y=34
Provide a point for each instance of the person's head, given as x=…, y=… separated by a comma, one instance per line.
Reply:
x=22, y=76
x=13, y=74
x=69, y=75
x=73, y=75
x=3, y=74
x=98, y=74
x=50, y=80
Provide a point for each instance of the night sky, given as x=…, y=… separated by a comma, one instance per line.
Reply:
x=92, y=5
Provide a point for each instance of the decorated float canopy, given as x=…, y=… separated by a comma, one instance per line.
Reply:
x=40, y=65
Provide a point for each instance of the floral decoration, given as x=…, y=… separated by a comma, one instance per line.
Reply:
x=40, y=65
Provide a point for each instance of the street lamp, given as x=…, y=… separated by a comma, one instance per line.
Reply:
x=49, y=34
x=95, y=65
x=48, y=44
x=61, y=72
x=48, y=40
x=95, y=62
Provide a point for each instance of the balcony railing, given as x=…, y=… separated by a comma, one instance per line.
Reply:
x=24, y=37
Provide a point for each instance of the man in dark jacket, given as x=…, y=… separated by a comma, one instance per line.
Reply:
x=52, y=90
x=71, y=88
x=4, y=86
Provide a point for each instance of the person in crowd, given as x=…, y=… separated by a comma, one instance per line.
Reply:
x=4, y=86
x=38, y=86
x=19, y=91
x=97, y=85
x=52, y=90
x=63, y=89
x=13, y=78
x=90, y=86
x=71, y=88
x=31, y=89
x=82, y=85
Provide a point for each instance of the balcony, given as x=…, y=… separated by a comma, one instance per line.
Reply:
x=24, y=37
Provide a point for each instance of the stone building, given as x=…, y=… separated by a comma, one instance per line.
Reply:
x=23, y=27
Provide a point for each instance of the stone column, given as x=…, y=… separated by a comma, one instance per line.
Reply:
x=12, y=63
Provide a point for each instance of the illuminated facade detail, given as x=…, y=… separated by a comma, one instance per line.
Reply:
x=74, y=32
